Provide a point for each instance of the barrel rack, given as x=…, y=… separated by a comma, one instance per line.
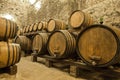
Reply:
x=12, y=70
x=79, y=69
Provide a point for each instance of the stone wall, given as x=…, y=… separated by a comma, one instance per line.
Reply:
x=14, y=8
x=25, y=13
x=61, y=9
x=108, y=10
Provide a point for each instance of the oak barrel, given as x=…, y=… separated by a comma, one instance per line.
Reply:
x=24, y=29
x=54, y=25
x=10, y=54
x=20, y=32
x=31, y=27
x=35, y=27
x=27, y=29
x=79, y=19
x=40, y=26
x=8, y=29
x=98, y=45
x=61, y=44
x=40, y=43
x=25, y=42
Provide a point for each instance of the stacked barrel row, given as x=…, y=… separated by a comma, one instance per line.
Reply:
x=62, y=43
x=9, y=52
x=35, y=27
x=58, y=41
x=49, y=26
x=43, y=30
x=95, y=44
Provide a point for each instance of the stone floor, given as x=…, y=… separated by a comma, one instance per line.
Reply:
x=28, y=70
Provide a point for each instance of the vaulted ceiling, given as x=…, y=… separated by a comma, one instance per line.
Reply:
x=25, y=12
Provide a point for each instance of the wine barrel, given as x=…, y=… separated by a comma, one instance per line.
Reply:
x=54, y=25
x=40, y=26
x=24, y=29
x=98, y=45
x=40, y=43
x=19, y=32
x=35, y=27
x=79, y=19
x=10, y=54
x=27, y=29
x=44, y=25
x=25, y=42
x=31, y=27
x=8, y=29
x=61, y=44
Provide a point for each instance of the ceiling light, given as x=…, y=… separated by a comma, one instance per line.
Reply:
x=32, y=1
x=8, y=16
x=38, y=5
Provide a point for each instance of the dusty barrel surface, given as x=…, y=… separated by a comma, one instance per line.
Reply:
x=61, y=44
x=98, y=45
x=10, y=54
x=79, y=19
x=8, y=29
x=25, y=42
x=40, y=43
x=45, y=24
x=54, y=25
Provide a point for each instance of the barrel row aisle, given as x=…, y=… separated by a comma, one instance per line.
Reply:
x=81, y=45
x=10, y=53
